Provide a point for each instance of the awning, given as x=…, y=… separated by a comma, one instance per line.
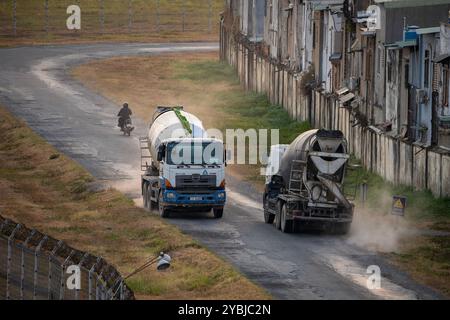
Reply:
x=442, y=58
x=401, y=44
x=368, y=32
x=335, y=57
x=346, y=98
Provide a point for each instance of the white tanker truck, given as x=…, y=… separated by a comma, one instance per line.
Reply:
x=304, y=184
x=183, y=167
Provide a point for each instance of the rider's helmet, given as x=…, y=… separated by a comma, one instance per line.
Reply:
x=125, y=105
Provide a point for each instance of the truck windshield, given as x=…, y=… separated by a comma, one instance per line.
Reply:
x=195, y=153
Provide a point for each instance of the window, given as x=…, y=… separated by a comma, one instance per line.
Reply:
x=445, y=85
x=378, y=60
x=271, y=13
x=427, y=69
x=314, y=36
x=195, y=153
x=389, y=71
x=406, y=73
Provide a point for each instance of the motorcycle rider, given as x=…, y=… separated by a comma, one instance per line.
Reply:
x=124, y=114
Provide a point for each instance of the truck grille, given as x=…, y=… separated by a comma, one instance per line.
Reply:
x=196, y=181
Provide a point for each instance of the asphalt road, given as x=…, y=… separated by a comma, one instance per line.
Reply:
x=36, y=86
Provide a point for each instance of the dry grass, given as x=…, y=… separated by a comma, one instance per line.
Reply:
x=51, y=193
x=172, y=20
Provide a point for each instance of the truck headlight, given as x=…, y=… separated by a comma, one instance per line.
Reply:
x=171, y=195
x=221, y=195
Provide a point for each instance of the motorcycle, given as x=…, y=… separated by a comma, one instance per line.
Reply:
x=127, y=127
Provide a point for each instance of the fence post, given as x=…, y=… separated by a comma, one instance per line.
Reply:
x=46, y=17
x=209, y=16
x=99, y=290
x=15, y=17
x=55, y=249
x=36, y=264
x=130, y=15
x=158, y=22
x=364, y=194
x=8, y=265
x=102, y=16
x=22, y=274
x=184, y=15
x=80, y=265
x=63, y=273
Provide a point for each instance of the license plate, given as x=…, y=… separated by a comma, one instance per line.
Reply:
x=196, y=198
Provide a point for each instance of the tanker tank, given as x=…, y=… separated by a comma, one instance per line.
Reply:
x=169, y=123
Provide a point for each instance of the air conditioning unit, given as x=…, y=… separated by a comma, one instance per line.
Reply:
x=422, y=96
x=353, y=83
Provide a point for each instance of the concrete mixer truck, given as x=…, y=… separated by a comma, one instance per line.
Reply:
x=304, y=184
x=184, y=169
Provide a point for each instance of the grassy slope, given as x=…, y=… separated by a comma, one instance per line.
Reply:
x=50, y=192
x=31, y=26
x=210, y=89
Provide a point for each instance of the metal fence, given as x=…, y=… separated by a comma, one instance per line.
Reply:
x=33, y=266
x=40, y=17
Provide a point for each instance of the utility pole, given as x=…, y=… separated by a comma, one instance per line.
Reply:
x=184, y=15
x=15, y=17
x=209, y=16
x=102, y=16
x=157, y=17
x=46, y=17
x=130, y=15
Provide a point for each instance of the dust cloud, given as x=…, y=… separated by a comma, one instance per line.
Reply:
x=130, y=186
x=376, y=229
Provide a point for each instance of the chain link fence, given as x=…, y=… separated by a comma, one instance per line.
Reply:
x=34, y=266
x=48, y=17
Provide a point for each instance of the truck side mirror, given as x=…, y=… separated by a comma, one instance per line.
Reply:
x=161, y=151
x=227, y=156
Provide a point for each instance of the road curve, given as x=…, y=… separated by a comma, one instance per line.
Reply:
x=36, y=86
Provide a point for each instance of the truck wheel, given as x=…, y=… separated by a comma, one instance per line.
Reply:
x=163, y=212
x=218, y=213
x=150, y=204
x=278, y=216
x=268, y=217
x=286, y=225
x=144, y=195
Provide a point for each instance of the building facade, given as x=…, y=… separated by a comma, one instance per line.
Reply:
x=376, y=69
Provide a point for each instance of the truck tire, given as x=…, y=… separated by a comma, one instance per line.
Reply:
x=278, y=216
x=286, y=225
x=144, y=195
x=163, y=211
x=268, y=217
x=218, y=213
x=150, y=203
